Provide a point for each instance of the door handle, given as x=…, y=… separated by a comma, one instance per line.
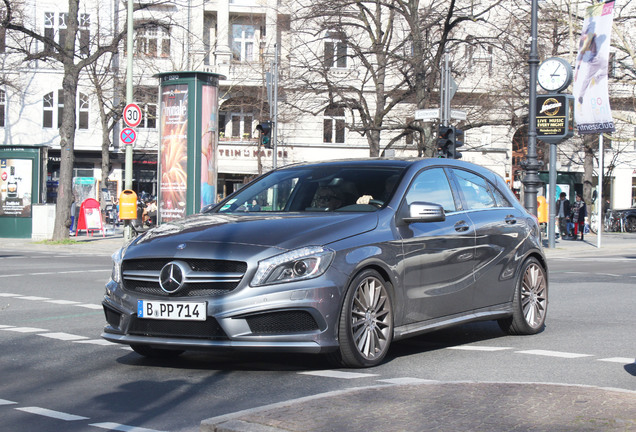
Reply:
x=461, y=226
x=511, y=220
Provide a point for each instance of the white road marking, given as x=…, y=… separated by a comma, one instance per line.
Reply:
x=623, y=360
x=121, y=428
x=554, y=354
x=338, y=374
x=478, y=348
x=407, y=380
x=24, y=329
x=63, y=302
x=103, y=342
x=9, y=295
x=90, y=306
x=7, y=402
x=63, y=336
x=5, y=326
x=53, y=414
x=34, y=298
x=57, y=273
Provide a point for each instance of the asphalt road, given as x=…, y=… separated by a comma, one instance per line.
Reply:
x=57, y=374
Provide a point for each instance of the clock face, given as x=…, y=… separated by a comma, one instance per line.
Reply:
x=554, y=74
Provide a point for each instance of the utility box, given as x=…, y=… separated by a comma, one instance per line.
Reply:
x=127, y=205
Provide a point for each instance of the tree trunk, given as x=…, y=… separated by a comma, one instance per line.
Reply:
x=67, y=130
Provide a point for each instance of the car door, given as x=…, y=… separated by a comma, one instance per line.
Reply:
x=499, y=229
x=437, y=269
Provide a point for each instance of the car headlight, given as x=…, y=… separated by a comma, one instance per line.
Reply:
x=117, y=258
x=300, y=264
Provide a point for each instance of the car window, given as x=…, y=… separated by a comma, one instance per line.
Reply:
x=500, y=199
x=475, y=190
x=432, y=186
x=316, y=189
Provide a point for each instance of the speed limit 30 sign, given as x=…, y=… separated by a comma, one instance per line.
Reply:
x=132, y=115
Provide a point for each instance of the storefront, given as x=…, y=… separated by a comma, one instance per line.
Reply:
x=20, y=170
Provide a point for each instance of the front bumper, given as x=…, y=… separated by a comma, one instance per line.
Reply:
x=301, y=317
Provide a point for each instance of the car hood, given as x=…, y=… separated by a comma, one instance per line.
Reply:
x=284, y=232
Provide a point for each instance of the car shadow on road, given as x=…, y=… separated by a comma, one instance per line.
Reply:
x=293, y=362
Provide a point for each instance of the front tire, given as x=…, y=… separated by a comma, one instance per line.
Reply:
x=366, y=322
x=530, y=302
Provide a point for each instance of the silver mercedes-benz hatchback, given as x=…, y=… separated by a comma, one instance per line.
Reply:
x=337, y=257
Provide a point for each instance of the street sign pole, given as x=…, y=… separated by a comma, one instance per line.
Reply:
x=129, y=96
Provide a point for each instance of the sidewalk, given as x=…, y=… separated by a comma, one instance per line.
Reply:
x=82, y=244
x=436, y=406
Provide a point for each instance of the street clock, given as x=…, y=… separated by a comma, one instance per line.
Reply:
x=555, y=74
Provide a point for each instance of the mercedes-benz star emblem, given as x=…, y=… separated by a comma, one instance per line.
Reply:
x=172, y=276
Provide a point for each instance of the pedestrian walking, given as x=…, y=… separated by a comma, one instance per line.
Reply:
x=563, y=213
x=579, y=213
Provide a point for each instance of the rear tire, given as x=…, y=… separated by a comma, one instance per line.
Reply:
x=366, y=322
x=530, y=302
x=150, y=352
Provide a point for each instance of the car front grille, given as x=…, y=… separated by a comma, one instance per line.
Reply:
x=208, y=278
x=209, y=329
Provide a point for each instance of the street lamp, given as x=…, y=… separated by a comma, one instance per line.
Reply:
x=531, y=164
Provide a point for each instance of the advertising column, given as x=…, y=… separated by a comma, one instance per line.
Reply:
x=187, y=168
x=173, y=169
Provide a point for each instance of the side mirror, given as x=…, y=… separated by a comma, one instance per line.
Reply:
x=425, y=212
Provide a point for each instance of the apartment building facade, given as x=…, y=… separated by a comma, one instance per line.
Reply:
x=240, y=40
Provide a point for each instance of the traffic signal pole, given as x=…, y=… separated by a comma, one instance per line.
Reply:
x=445, y=93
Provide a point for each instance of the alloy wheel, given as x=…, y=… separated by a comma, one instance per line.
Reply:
x=534, y=295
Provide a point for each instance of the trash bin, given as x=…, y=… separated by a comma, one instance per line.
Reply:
x=127, y=205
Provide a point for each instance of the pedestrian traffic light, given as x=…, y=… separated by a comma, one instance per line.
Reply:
x=458, y=141
x=265, y=129
x=445, y=137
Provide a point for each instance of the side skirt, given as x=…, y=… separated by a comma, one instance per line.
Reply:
x=485, y=314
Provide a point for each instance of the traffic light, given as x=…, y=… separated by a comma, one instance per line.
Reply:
x=265, y=128
x=445, y=139
x=458, y=142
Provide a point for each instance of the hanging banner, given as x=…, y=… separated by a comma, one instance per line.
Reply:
x=173, y=152
x=592, y=107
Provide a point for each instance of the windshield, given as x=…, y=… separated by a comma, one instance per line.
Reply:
x=316, y=189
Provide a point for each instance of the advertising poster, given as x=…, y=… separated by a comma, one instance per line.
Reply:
x=15, y=187
x=173, y=152
x=209, y=138
x=592, y=107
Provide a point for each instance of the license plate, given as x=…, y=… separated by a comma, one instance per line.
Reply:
x=179, y=311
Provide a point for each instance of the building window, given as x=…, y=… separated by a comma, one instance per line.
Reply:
x=55, y=29
x=243, y=42
x=3, y=107
x=334, y=125
x=3, y=36
x=84, y=34
x=147, y=101
x=49, y=102
x=335, y=50
x=47, y=110
x=82, y=110
x=242, y=126
x=153, y=41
